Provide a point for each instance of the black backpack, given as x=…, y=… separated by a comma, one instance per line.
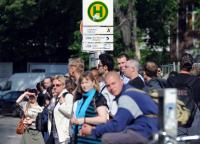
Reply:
x=42, y=120
x=154, y=92
x=186, y=106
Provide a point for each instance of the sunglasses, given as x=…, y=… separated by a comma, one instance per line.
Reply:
x=56, y=85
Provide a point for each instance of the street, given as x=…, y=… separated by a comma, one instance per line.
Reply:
x=8, y=126
x=7, y=130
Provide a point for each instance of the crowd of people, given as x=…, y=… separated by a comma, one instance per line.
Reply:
x=100, y=105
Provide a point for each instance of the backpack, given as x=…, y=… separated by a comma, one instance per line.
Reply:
x=186, y=106
x=154, y=92
x=42, y=120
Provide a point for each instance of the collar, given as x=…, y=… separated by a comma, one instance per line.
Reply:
x=62, y=92
x=123, y=89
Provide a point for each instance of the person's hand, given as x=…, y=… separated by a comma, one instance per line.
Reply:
x=86, y=130
x=27, y=94
x=74, y=120
x=78, y=121
x=28, y=120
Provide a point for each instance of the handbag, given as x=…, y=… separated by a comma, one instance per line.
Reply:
x=20, y=127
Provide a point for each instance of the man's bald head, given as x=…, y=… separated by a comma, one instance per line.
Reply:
x=112, y=74
x=114, y=83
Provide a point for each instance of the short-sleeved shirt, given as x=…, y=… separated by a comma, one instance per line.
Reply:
x=97, y=101
x=31, y=111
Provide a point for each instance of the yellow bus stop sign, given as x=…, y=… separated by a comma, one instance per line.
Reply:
x=97, y=11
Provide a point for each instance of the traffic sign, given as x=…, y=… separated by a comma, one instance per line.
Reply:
x=98, y=38
x=89, y=46
x=97, y=12
x=97, y=25
x=98, y=30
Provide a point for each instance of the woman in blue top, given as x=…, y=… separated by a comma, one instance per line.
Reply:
x=90, y=109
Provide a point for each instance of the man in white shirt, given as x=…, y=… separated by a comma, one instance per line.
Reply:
x=121, y=61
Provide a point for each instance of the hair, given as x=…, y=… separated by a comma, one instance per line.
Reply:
x=39, y=86
x=89, y=76
x=107, y=60
x=151, y=69
x=186, y=62
x=93, y=68
x=78, y=63
x=60, y=78
x=112, y=74
x=159, y=66
x=46, y=97
x=33, y=91
x=135, y=64
x=70, y=84
x=121, y=55
x=48, y=77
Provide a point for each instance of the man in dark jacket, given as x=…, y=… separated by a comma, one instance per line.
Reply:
x=150, y=76
x=184, y=79
x=131, y=71
x=184, y=76
x=136, y=117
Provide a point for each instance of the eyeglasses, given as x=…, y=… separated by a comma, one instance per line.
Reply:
x=56, y=85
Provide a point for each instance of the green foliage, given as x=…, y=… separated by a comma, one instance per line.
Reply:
x=154, y=18
x=48, y=30
x=19, y=13
x=32, y=30
x=197, y=20
x=123, y=4
x=152, y=55
x=76, y=45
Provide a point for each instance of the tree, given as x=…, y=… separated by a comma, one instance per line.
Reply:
x=184, y=31
x=126, y=14
x=37, y=30
x=133, y=19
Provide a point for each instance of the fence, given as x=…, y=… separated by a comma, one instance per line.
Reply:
x=176, y=67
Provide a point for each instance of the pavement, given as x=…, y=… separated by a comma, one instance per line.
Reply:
x=7, y=130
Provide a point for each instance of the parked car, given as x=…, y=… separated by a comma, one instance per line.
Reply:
x=8, y=104
x=22, y=81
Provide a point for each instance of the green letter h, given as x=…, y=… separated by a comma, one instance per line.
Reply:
x=100, y=11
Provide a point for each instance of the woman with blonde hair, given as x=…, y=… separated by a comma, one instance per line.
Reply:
x=90, y=109
x=60, y=112
x=31, y=110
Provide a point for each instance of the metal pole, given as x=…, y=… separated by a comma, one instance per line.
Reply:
x=177, y=38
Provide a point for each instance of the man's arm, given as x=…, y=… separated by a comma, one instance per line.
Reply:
x=119, y=123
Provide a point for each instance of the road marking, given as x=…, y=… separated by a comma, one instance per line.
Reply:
x=12, y=136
